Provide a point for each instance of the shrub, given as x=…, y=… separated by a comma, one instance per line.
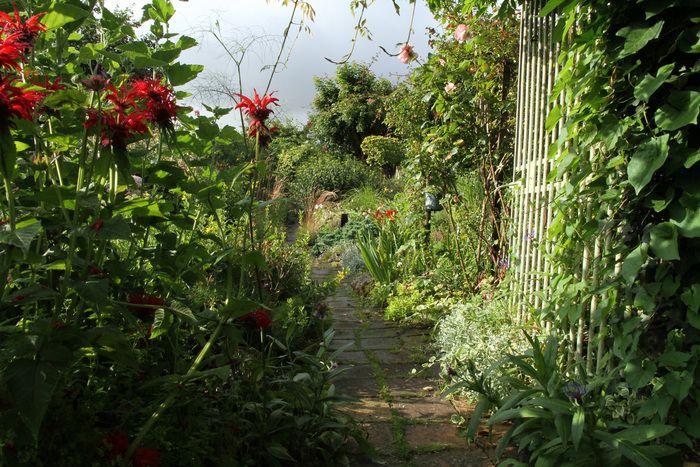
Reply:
x=352, y=261
x=383, y=151
x=327, y=239
x=328, y=172
x=477, y=334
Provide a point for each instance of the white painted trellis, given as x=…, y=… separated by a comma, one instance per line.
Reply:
x=535, y=197
x=533, y=194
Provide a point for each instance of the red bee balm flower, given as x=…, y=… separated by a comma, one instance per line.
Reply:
x=261, y=318
x=146, y=457
x=257, y=109
x=97, y=225
x=16, y=102
x=118, y=443
x=159, y=100
x=24, y=32
x=10, y=53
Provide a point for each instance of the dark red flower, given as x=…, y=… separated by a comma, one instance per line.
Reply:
x=378, y=215
x=96, y=271
x=118, y=128
x=16, y=101
x=146, y=457
x=97, y=225
x=259, y=318
x=24, y=32
x=118, y=442
x=257, y=109
x=390, y=214
x=58, y=325
x=159, y=101
x=143, y=299
x=95, y=82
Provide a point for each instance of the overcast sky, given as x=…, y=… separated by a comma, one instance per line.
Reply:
x=330, y=36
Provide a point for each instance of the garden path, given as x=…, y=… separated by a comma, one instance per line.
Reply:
x=398, y=401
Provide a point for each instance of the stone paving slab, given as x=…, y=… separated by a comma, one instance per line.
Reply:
x=357, y=387
x=412, y=387
x=451, y=458
x=379, y=343
x=352, y=356
x=423, y=409
x=444, y=434
x=368, y=410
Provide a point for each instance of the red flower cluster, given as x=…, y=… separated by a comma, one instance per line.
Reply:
x=144, y=299
x=261, y=318
x=258, y=110
x=118, y=443
x=23, y=34
x=145, y=100
x=389, y=214
x=159, y=101
x=16, y=40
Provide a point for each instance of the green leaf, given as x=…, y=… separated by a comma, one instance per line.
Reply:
x=161, y=323
x=678, y=384
x=94, y=291
x=23, y=235
x=60, y=14
x=578, y=423
x=633, y=263
x=179, y=74
x=8, y=153
x=475, y=419
x=639, y=372
x=31, y=384
x=646, y=160
x=664, y=241
x=160, y=10
x=183, y=312
x=691, y=159
x=691, y=297
x=550, y=6
x=553, y=117
x=239, y=307
x=278, y=451
x=681, y=109
x=686, y=217
x=674, y=359
x=636, y=37
x=650, y=84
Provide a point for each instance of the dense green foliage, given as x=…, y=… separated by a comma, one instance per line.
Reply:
x=349, y=107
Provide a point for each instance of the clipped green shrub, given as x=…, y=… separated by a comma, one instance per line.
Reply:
x=383, y=151
x=328, y=172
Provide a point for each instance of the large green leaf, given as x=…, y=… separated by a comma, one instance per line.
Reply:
x=646, y=160
x=649, y=84
x=31, y=384
x=638, y=36
x=681, y=109
x=180, y=74
x=633, y=263
x=60, y=14
x=685, y=214
x=664, y=241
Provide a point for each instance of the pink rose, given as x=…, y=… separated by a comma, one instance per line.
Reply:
x=450, y=87
x=461, y=33
x=442, y=62
x=407, y=54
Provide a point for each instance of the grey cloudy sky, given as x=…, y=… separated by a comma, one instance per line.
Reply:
x=330, y=36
